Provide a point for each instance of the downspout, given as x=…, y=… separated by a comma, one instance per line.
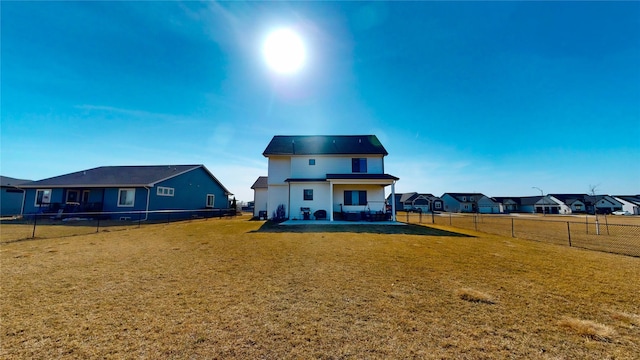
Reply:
x=24, y=196
x=146, y=213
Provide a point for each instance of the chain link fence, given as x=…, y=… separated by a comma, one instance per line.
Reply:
x=52, y=225
x=588, y=232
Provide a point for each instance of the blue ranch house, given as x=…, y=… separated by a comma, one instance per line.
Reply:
x=127, y=192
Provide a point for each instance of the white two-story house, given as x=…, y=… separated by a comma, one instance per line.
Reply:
x=339, y=176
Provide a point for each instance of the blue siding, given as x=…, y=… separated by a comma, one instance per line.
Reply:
x=190, y=193
x=10, y=201
x=30, y=200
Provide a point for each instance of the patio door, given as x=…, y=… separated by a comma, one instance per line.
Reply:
x=85, y=196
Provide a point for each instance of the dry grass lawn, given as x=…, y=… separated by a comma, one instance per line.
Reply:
x=224, y=289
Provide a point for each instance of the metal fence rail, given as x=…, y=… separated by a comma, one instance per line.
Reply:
x=589, y=234
x=51, y=225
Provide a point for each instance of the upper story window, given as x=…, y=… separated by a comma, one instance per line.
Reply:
x=359, y=165
x=312, y=161
x=165, y=191
x=464, y=198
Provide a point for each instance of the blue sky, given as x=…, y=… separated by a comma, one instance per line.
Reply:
x=491, y=97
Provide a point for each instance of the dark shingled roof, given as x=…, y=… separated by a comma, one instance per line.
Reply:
x=261, y=183
x=11, y=182
x=325, y=145
x=117, y=176
x=362, y=176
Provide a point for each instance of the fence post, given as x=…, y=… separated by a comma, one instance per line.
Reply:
x=475, y=221
x=139, y=219
x=420, y=217
x=433, y=219
x=586, y=221
x=606, y=223
x=449, y=219
x=98, y=225
x=407, y=217
x=569, y=233
x=35, y=220
x=513, y=234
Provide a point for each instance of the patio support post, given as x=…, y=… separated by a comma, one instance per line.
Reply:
x=330, y=200
x=393, y=201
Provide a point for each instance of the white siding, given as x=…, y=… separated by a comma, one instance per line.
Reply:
x=300, y=167
x=260, y=199
x=278, y=194
x=320, y=198
x=279, y=170
x=375, y=198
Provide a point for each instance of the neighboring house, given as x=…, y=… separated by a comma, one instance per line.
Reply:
x=11, y=196
x=630, y=203
x=527, y=204
x=509, y=204
x=549, y=204
x=417, y=202
x=567, y=204
x=470, y=203
x=335, y=176
x=584, y=204
x=605, y=204
x=400, y=200
x=260, y=196
x=128, y=191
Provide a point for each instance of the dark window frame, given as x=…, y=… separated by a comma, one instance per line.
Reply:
x=361, y=197
x=307, y=194
x=359, y=165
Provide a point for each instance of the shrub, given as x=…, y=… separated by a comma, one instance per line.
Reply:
x=280, y=214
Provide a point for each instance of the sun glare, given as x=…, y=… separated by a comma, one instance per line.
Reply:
x=284, y=51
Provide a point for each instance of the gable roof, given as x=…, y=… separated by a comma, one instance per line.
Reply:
x=119, y=176
x=458, y=196
x=325, y=145
x=6, y=181
x=634, y=199
x=261, y=183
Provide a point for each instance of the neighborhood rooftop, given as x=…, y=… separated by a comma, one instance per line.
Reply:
x=114, y=176
x=325, y=145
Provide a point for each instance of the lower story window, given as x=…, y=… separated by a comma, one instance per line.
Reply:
x=355, y=197
x=437, y=205
x=73, y=196
x=211, y=200
x=308, y=194
x=126, y=197
x=43, y=196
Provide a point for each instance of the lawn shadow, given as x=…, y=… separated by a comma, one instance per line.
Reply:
x=408, y=229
